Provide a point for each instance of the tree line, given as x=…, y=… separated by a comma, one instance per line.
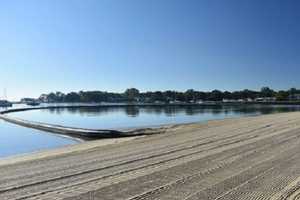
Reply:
x=134, y=95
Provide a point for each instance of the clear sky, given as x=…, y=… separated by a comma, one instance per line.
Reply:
x=111, y=45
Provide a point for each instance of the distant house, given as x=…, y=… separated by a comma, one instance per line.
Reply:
x=30, y=101
x=159, y=102
x=249, y=100
x=259, y=99
x=270, y=99
x=44, y=98
x=147, y=100
x=294, y=97
x=265, y=99
x=228, y=100
x=27, y=100
x=199, y=102
x=175, y=102
x=232, y=100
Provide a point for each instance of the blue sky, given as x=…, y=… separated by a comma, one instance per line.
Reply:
x=111, y=45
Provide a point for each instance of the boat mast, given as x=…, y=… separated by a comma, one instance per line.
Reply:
x=4, y=94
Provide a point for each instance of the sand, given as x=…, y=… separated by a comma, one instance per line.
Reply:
x=245, y=158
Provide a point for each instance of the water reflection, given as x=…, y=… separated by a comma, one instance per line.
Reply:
x=134, y=111
x=133, y=116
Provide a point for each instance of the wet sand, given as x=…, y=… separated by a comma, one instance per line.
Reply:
x=246, y=158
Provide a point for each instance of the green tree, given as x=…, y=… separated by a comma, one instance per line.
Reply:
x=132, y=94
x=216, y=95
x=293, y=91
x=282, y=96
x=267, y=92
x=72, y=97
x=190, y=95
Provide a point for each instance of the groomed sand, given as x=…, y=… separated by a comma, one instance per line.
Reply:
x=246, y=158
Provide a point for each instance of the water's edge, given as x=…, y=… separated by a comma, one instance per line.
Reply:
x=81, y=133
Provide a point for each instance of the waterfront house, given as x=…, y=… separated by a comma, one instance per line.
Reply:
x=5, y=103
x=294, y=97
x=27, y=100
x=265, y=99
x=30, y=101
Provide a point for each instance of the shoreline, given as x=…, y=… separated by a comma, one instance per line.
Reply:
x=90, y=144
x=91, y=134
x=84, y=143
x=83, y=133
x=186, y=160
x=68, y=149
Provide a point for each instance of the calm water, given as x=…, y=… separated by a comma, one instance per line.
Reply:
x=128, y=117
x=16, y=140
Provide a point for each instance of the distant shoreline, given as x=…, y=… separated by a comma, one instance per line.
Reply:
x=95, y=105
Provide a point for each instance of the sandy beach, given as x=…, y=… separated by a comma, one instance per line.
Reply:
x=245, y=158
